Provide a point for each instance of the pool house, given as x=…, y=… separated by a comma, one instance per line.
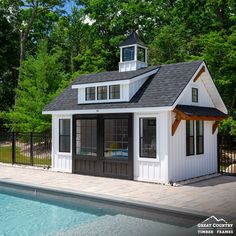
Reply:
x=146, y=123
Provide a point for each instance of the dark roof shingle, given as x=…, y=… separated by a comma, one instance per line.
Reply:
x=112, y=75
x=159, y=90
x=133, y=39
x=200, y=111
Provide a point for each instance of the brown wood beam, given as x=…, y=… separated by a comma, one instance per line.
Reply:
x=175, y=124
x=210, y=118
x=202, y=70
x=183, y=116
x=214, y=126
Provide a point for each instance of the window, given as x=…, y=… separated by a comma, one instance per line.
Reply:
x=141, y=54
x=102, y=92
x=128, y=54
x=189, y=137
x=64, y=135
x=194, y=95
x=199, y=137
x=194, y=134
x=90, y=94
x=147, y=137
x=114, y=92
x=116, y=138
x=86, y=137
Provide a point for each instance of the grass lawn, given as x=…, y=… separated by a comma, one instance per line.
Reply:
x=6, y=157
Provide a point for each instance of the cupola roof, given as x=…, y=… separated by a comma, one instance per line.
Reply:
x=133, y=39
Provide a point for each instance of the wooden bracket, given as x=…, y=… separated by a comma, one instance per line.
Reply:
x=214, y=126
x=199, y=74
x=175, y=125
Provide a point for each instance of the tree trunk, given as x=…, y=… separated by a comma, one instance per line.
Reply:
x=24, y=34
x=22, y=47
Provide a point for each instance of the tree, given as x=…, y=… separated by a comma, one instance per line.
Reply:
x=9, y=51
x=41, y=79
x=29, y=10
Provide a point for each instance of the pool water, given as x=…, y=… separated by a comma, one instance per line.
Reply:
x=19, y=216
x=25, y=216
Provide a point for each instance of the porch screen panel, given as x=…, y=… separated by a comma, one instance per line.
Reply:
x=189, y=137
x=64, y=135
x=147, y=137
x=116, y=138
x=199, y=137
x=86, y=137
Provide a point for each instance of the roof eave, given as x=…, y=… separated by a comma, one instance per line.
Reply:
x=106, y=111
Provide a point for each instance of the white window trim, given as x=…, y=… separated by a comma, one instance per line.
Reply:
x=103, y=100
x=135, y=52
x=196, y=87
x=58, y=136
x=195, y=155
x=146, y=159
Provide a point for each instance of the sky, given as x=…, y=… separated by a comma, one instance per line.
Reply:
x=69, y=5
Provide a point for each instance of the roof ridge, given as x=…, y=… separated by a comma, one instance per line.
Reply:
x=181, y=63
x=149, y=68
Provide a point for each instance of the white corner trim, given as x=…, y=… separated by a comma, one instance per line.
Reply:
x=106, y=111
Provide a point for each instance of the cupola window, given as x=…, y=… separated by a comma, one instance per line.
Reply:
x=141, y=54
x=128, y=54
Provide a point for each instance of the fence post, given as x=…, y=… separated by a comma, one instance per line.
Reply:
x=13, y=148
x=31, y=149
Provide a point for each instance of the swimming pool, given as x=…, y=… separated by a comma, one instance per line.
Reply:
x=39, y=212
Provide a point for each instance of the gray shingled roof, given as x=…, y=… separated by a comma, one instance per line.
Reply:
x=133, y=39
x=200, y=111
x=161, y=89
x=112, y=75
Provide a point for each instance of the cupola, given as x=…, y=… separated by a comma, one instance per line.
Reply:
x=133, y=54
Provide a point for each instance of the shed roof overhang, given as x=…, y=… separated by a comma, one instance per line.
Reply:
x=185, y=112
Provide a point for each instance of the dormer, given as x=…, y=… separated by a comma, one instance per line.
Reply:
x=133, y=54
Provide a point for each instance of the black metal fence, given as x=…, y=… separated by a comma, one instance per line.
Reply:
x=25, y=148
x=227, y=154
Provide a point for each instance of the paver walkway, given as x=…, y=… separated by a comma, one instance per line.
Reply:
x=215, y=196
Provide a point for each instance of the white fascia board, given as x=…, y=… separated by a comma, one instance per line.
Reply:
x=127, y=46
x=106, y=111
x=76, y=86
x=224, y=109
x=192, y=80
x=133, y=45
x=116, y=82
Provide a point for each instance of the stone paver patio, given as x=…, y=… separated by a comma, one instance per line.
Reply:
x=215, y=196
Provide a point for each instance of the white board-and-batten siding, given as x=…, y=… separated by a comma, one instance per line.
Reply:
x=183, y=167
x=61, y=161
x=152, y=169
x=204, y=98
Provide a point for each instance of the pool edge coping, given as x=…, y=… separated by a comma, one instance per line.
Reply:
x=117, y=200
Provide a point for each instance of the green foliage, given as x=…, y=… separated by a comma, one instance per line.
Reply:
x=41, y=79
x=228, y=126
x=8, y=54
x=88, y=39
